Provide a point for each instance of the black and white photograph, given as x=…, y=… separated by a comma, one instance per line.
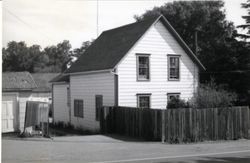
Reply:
x=125, y=81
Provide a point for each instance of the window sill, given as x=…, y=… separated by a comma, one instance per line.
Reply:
x=173, y=79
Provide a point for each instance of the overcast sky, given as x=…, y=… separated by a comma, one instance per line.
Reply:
x=48, y=22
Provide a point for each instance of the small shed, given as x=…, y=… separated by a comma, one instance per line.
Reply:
x=17, y=89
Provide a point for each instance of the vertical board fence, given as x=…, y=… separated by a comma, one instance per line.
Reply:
x=177, y=125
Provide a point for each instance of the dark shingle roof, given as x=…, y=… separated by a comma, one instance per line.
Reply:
x=15, y=81
x=112, y=45
x=60, y=78
x=42, y=81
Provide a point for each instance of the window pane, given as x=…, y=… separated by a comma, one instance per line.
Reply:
x=144, y=101
x=78, y=108
x=143, y=67
x=172, y=96
x=99, y=104
x=174, y=67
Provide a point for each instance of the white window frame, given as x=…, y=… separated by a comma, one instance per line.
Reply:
x=143, y=95
x=169, y=67
x=138, y=67
x=76, y=110
x=178, y=95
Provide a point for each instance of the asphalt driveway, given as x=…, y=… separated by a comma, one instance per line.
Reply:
x=99, y=148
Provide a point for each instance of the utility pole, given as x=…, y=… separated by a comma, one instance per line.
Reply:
x=97, y=18
x=196, y=41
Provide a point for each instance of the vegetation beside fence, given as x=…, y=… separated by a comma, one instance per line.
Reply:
x=177, y=125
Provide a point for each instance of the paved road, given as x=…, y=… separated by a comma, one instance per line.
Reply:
x=100, y=148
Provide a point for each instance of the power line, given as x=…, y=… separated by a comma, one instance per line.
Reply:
x=97, y=18
x=27, y=24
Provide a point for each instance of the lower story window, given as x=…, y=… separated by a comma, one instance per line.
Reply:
x=172, y=96
x=78, y=108
x=143, y=100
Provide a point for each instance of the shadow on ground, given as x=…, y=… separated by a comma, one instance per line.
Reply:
x=126, y=138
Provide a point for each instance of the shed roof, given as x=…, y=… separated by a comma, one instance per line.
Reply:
x=42, y=81
x=15, y=81
x=112, y=45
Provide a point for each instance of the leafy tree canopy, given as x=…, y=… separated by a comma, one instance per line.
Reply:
x=17, y=56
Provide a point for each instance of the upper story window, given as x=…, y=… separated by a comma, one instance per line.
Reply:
x=143, y=100
x=173, y=67
x=143, y=67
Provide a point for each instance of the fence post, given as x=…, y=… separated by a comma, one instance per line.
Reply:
x=163, y=127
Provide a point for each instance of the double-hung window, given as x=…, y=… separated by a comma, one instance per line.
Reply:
x=143, y=100
x=143, y=71
x=173, y=67
x=78, y=108
x=172, y=96
x=98, y=106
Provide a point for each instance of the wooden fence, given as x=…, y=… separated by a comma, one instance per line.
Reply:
x=177, y=125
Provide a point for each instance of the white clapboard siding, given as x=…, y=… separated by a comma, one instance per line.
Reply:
x=158, y=42
x=85, y=87
x=61, y=109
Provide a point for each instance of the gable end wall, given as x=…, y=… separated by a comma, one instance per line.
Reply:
x=158, y=42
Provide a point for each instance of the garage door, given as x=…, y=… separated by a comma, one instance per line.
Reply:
x=7, y=116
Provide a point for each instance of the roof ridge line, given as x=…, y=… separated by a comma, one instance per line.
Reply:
x=130, y=24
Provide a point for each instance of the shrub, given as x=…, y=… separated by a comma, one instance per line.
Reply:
x=175, y=103
x=211, y=95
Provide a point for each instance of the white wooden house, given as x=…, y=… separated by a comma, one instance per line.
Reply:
x=137, y=65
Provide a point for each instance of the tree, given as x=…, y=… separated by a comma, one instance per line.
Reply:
x=247, y=19
x=186, y=17
x=79, y=51
x=58, y=56
x=17, y=57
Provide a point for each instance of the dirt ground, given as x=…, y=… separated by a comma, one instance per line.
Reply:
x=99, y=148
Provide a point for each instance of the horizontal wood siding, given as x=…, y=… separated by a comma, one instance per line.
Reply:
x=61, y=110
x=86, y=87
x=158, y=42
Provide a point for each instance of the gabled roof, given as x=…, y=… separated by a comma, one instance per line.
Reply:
x=17, y=81
x=112, y=45
x=42, y=81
